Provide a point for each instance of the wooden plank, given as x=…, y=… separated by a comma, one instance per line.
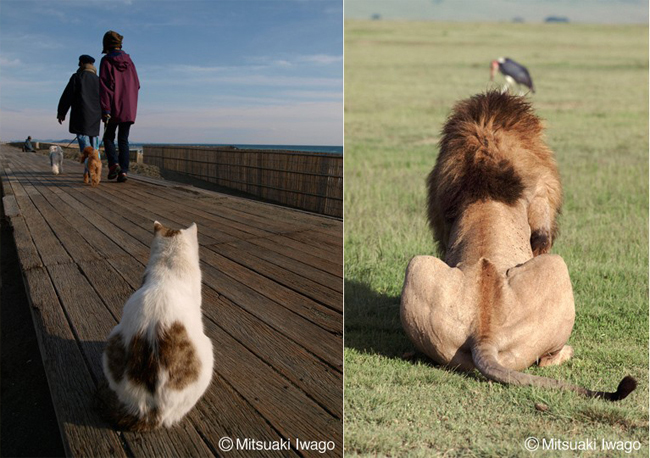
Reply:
x=335, y=253
x=210, y=212
x=71, y=385
x=316, y=313
x=234, y=415
x=257, y=335
x=80, y=300
x=322, y=252
x=291, y=265
x=122, y=239
x=73, y=210
x=271, y=222
x=109, y=285
x=28, y=254
x=43, y=239
x=308, y=421
x=144, y=214
x=12, y=183
x=321, y=382
x=319, y=257
x=114, y=295
x=309, y=288
x=100, y=242
x=308, y=258
x=131, y=270
x=287, y=214
x=66, y=233
x=48, y=245
x=313, y=338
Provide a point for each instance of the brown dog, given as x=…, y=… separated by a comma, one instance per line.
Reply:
x=93, y=170
x=498, y=302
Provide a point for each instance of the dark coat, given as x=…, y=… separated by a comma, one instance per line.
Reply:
x=119, y=85
x=82, y=94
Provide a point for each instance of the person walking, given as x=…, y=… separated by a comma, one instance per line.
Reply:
x=118, y=88
x=82, y=95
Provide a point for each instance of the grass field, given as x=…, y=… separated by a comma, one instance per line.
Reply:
x=401, y=80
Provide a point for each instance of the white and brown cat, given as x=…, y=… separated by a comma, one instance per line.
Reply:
x=158, y=360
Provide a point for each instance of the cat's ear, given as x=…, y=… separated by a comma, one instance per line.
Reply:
x=157, y=227
x=193, y=229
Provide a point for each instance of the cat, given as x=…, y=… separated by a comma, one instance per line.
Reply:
x=158, y=361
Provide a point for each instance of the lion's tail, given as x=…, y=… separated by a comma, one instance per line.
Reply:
x=485, y=359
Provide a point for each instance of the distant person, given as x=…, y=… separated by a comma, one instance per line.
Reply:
x=27, y=146
x=118, y=88
x=82, y=95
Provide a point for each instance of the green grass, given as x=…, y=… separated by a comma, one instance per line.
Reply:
x=401, y=80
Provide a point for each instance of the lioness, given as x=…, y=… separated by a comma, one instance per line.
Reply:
x=499, y=302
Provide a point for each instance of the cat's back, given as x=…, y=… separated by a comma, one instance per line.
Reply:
x=158, y=360
x=159, y=371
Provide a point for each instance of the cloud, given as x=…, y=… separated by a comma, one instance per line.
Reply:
x=320, y=59
x=10, y=63
x=335, y=95
x=312, y=59
x=40, y=124
x=9, y=85
x=34, y=41
x=58, y=14
x=310, y=123
x=291, y=123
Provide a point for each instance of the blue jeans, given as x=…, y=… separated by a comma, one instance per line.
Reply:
x=122, y=143
x=85, y=140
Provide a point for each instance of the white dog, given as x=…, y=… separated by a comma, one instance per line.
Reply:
x=56, y=159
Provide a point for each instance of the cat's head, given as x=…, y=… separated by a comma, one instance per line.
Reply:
x=180, y=241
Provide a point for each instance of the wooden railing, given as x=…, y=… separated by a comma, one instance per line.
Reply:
x=304, y=180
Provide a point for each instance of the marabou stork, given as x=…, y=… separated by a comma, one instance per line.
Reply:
x=513, y=73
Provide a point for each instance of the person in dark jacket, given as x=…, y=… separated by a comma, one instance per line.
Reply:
x=27, y=146
x=118, y=86
x=82, y=95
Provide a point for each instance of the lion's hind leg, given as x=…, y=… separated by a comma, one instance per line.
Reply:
x=437, y=312
x=556, y=358
x=541, y=311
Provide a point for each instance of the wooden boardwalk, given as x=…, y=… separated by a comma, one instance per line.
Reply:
x=272, y=305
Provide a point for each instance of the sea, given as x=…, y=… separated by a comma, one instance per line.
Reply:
x=308, y=148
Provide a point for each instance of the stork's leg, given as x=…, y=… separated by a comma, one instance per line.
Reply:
x=510, y=83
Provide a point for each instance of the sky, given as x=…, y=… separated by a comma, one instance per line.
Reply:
x=581, y=11
x=218, y=71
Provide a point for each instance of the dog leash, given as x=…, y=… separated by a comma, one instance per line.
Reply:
x=75, y=138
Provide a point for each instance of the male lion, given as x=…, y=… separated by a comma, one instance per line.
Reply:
x=499, y=302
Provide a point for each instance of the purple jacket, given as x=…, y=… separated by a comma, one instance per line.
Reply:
x=118, y=87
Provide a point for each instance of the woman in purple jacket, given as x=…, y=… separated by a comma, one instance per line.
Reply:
x=118, y=91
